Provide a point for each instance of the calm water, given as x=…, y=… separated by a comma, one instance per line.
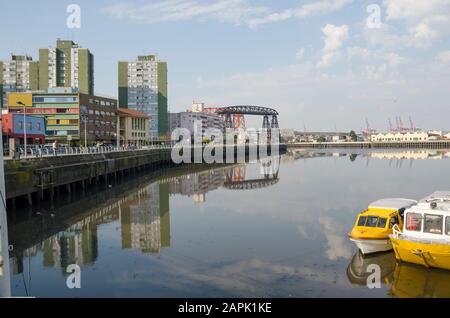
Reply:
x=258, y=230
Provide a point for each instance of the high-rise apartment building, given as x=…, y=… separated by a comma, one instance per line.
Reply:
x=17, y=75
x=66, y=65
x=143, y=87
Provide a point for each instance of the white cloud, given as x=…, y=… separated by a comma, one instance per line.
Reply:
x=335, y=36
x=306, y=10
x=444, y=56
x=426, y=20
x=229, y=11
x=236, y=12
x=414, y=9
x=300, y=53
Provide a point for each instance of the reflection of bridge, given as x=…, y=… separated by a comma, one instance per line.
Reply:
x=235, y=178
x=250, y=184
x=250, y=110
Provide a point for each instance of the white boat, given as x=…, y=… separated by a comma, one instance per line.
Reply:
x=425, y=238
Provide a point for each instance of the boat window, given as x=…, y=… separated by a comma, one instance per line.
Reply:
x=362, y=220
x=372, y=221
x=382, y=223
x=394, y=221
x=414, y=222
x=447, y=225
x=433, y=224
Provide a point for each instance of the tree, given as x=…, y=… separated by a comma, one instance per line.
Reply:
x=353, y=136
x=321, y=139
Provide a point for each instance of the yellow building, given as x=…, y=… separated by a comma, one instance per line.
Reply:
x=133, y=127
x=400, y=137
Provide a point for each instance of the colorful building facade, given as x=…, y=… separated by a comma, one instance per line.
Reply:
x=13, y=128
x=70, y=116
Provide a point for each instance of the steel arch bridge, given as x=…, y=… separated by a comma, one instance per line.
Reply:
x=250, y=110
x=247, y=110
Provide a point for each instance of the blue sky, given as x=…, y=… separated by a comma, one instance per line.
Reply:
x=317, y=62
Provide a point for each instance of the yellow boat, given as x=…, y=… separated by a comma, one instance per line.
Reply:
x=425, y=239
x=373, y=226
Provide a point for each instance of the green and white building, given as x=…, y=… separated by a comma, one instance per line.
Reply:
x=19, y=74
x=66, y=65
x=143, y=87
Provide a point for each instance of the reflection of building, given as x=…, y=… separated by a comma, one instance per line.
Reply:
x=198, y=184
x=143, y=87
x=409, y=154
x=145, y=219
x=73, y=246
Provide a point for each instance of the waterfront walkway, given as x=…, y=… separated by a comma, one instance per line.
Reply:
x=434, y=144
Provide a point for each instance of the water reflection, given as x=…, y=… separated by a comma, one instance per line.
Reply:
x=195, y=233
x=358, y=270
x=402, y=279
x=414, y=281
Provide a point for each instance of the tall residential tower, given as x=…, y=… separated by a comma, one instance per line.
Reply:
x=143, y=87
x=67, y=65
x=17, y=75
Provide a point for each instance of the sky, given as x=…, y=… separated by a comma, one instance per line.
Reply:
x=324, y=64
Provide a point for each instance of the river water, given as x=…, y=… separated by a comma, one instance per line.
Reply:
x=275, y=228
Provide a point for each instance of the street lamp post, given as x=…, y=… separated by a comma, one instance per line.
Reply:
x=24, y=128
x=84, y=119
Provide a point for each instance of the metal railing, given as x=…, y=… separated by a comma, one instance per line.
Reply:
x=40, y=152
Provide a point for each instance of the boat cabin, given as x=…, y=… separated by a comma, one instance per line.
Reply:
x=430, y=218
x=384, y=214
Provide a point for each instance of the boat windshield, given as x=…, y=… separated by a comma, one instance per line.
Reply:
x=372, y=221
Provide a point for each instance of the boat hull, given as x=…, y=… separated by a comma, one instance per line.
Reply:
x=370, y=246
x=425, y=254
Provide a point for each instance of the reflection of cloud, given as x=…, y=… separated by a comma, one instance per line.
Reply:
x=302, y=231
x=337, y=244
x=247, y=277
